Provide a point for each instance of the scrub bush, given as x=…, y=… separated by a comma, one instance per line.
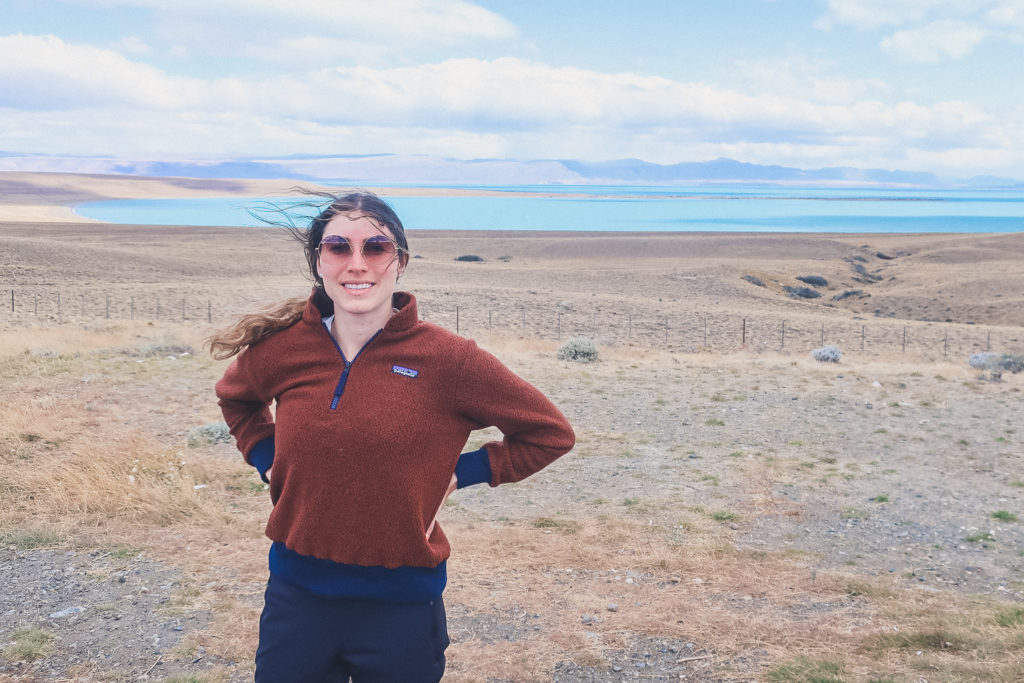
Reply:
x=802, y=292
x=813, y=280
x=578, y=350
x=209, y=433
x=996, y=364
x=827, y=354
x=469, y=257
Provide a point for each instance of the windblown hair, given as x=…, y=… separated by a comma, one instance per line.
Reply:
x=253, y=327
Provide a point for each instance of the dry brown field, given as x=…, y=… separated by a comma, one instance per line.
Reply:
x=733, y=510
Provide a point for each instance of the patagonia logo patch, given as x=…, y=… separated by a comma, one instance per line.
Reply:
x=408, y=372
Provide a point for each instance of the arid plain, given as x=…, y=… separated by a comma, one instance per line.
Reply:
x=733, y=510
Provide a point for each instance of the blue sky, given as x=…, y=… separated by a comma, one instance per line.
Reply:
x=930, y=85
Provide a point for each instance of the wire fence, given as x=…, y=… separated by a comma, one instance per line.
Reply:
x=678, y=331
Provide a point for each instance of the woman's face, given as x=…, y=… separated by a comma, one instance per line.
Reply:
x=357, y=286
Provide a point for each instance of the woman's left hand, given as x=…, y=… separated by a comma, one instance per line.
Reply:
x=452, y=485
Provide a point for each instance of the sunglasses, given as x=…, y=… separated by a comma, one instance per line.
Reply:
x=376, y=251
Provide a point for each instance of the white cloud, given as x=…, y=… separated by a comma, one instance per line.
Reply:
x=64, y=98
x=44, y=72
x=300, y=31
x=935, y=41
x=929, y=31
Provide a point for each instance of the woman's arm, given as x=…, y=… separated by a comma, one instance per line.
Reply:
x=245, y=404
x=535, y=433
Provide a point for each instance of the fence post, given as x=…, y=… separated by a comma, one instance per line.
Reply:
x=83, y=304
x=705, y=332
x=666, y=332
x=489, y=319
x=158, y=308
x=783, y=347
x=132, y=306
x=629, y=334
x=945, y=344
x=12, y=301
x=904, y=340
x=35, y=303
x=823, y=334
x=743, y=338
x=988, y=344
x=58, y=304
x=457, y=320
x=108, y=306
x=209, y=311
x=559, y=337
x=863, y=333
x=183, y=310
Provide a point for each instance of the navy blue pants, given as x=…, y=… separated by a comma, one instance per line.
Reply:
x=308, y=638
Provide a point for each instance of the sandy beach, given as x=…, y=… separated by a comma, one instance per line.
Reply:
x=733, y=510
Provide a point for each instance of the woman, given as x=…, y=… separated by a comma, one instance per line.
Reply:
x=373, y=407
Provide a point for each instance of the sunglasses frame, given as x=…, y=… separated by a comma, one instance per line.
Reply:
x=339, y=239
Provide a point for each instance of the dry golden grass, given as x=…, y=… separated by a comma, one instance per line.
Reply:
x=94, y=464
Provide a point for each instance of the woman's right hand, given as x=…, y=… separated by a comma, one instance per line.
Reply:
x=267, y=474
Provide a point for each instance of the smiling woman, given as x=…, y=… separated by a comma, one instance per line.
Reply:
x=373, y=409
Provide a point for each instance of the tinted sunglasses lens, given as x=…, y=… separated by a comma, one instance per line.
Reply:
x=378, y=250
x=335, y=249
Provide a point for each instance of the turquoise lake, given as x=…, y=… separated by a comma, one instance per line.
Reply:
x=618, y=208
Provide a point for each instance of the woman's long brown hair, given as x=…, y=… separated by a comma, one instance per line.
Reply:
x=253, y=327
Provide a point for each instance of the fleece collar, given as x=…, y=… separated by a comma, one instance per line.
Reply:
x=405, y=302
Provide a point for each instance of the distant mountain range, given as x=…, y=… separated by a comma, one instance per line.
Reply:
x=417, y=169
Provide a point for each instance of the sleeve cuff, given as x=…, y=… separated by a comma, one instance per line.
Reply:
x=473, y=467
x=262, y=457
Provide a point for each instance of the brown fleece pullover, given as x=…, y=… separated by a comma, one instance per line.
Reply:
x=364, y=449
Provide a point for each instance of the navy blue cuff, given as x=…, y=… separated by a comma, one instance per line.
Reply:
x=262, y=457
x=473, y=468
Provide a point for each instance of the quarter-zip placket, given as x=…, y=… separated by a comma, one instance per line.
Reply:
x=340, y=389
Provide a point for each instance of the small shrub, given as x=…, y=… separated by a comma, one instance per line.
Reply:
x=469, y=257
x=997, y=364
x=803, y=292
x=754, y=280
x=1004, y=516
x=827, y=354
x=578, y=350
x=210, y=433
x=814, y=280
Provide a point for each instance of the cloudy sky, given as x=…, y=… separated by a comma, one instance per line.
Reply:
x=932, y=85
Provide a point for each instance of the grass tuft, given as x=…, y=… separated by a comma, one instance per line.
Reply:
x=807, y=670
x=29, y=644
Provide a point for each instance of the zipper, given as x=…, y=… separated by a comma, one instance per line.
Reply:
x=340, y=388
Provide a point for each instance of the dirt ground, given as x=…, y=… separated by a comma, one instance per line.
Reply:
x=730, y=509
